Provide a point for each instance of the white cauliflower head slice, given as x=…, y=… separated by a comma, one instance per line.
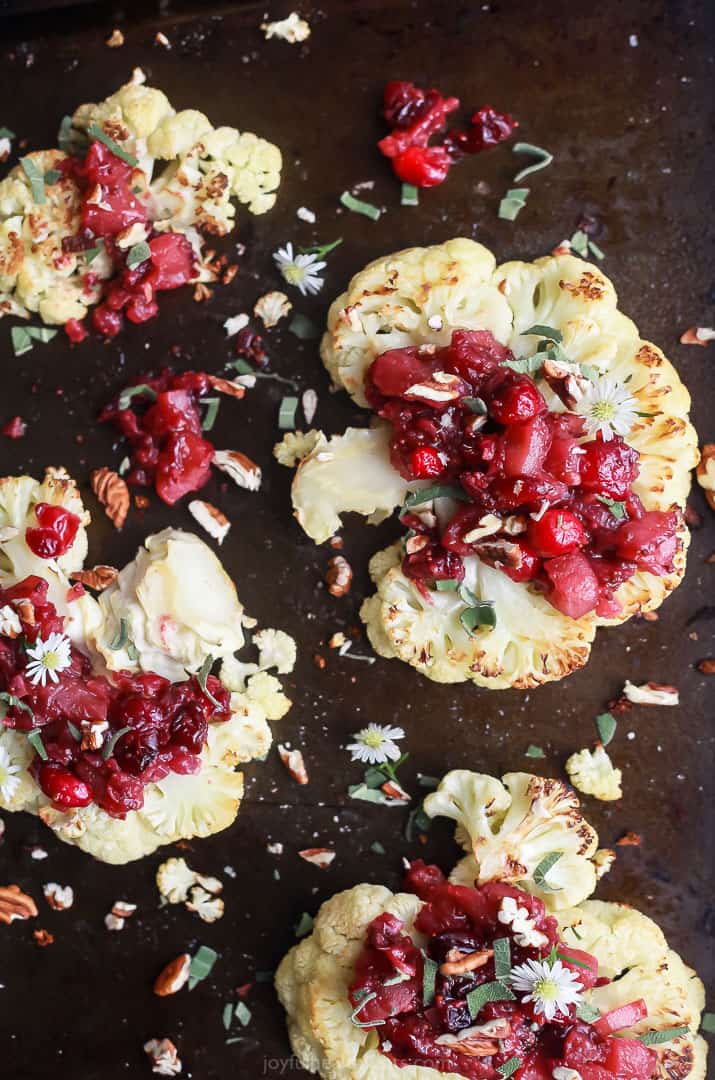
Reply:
x=346, y=473
x=160, y=600
x=313, y=981
x=633, y=952
x=593, y=773
x=412, y=297
x=19, y=496
x=276, y=649
x=511, y=826
x=532, y=642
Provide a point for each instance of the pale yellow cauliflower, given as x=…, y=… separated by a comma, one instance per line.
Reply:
x=313, y=980
x=187, y=173
x=593, y=773
x=158, y=604
x=418, y=297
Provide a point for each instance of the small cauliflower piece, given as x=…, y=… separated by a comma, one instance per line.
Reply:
x=346, y=473
x=510, y=826
x=276, y=649
x=161, y=596
x=593, y=773
x=174, y=878
x=296, y=445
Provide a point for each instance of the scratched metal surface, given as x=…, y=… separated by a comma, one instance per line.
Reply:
x=626, y=125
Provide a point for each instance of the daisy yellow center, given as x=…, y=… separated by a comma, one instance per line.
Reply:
x=546, y=989
x=603, y=410
x=373, y=739
x=293, y=274
x=51, y=661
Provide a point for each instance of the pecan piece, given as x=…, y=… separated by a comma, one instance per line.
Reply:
x=294, y=763
x=339, y=576
x=705, y=473
x=707, y=667
x=98, y=578
x=244, y=472
x=210, y=518
x=460, y=963
x=172, y=977
x=225, y=386
x=113, y=494
x=500, y=552
x=15, y=904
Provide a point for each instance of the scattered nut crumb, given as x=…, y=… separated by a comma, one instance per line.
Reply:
x=318, y=856
x=59, y=897
x=210, y=518
x=339, y=576
x=43, y=938
x=294, y=763
x=98, y=578
x=697, y=335
x=629, y=839
x=337, y=544
x=707, y=667
x=37, y=852
x=320, y=661
x=651, y=693
x=337, y=640
x=309, y=401
x=173, y=977
x=244, y=472
x=305, y=215
x=115, y=39
x=164, y=1057
x=293, y=29
x=162, y=39
x=274, y=849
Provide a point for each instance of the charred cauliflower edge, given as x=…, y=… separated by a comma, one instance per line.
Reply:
x=397, y=301
x=507, y=826
x=157, y=582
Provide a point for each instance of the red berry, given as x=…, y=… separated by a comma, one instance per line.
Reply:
x=557, y=532
x=15, y=428
x=609, y=467
x=530, y=564
x=56, y=533
x=513, y=398
x=423, y=166
x=75, y=330
x=63, y=787
x=425, y=463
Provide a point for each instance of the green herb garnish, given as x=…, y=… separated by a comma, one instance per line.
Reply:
x=367, y=794
x=582, y=244
x=14, y=702
x=655, y=1038
x=543, y=157
x=74, y=731
x=35, y=740
x=227, y=1015
x=708, y=1023
x=606, y=724
x=303, y=328
x=543, y=868
x=429, y=980
x=437, y=491
x=201, y=965
x=211, y=412
x=22, y=337
x=286, y=413
x=304, y=925
x=132, y=652
x=243, y=1014
x=491, y=991
x=108, y=748
x=533, y=751
x=513, y=203
x=475, y=405
x=121, y=638
x=548, y=332
x=95, y=132
x=447, y=585
x=359, y=207
x=5, y=133
x=52, y=176
x=587, y=1013
x=321, y=250
x=202, y=678
x=430, y=782
x=509, y=1067
x=618, y=509
x=409, y=195
x=358, y=1008
x=502, y=958
x=140, y=390
x=482, y=614
x=37, y=180
x=529, y=365
x=137, y=254
x=417, y=822
x=376, y=848
x=91, y=254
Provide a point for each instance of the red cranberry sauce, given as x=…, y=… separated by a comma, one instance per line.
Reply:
x=112, y=201
x=390, y=994
x=54, y=533
x=145, y=725
x=415, y=115
x=572, y=523
x=162, y=423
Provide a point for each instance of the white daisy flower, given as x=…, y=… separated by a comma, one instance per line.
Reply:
x=300, y=270
x=607, y=407
x=9, y=780
x=376, y=744
x=47, y=658
x=551, y=986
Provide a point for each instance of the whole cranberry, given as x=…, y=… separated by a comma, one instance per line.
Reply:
x=423, y=166
x=56, y=531
x=63, y=787
x=513, y=398
x=557, y=532
x=402, y=103
x=433, y=563
x=425, y=463
x=608, y=467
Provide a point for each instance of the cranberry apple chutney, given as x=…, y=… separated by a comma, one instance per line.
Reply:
x=537, y=449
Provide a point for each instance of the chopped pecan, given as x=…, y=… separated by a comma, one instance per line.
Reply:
x=98, y=578
x=697, y=335
x=629, y=839
x=210, y=518
x=707, y=667
x=225, y=386
x=172, y=977
x=339, y=576
x=244, y=472
x=294, y=763
x=15, y=904
x=113, y=494
x=500, y=552
x=43, y=938
x=318, y=856
x=115, y=39
x=460, y=963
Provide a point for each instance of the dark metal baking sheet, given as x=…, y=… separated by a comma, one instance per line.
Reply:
x=627, y=125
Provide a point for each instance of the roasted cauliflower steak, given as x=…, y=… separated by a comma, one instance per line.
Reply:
x=159, y=599
x=508, y=824
x=418, y=297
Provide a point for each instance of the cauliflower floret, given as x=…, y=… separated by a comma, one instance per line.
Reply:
x=532, y=643
x=132, y=112
x=412, y=297
x=509, y=827
x=593, y=773
x=296, y=445
x=633, y=952
x=349, y=472
x=276, y=649
x=19, y=495
x=313, y=979
x=160, y=599
x=266, y=691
